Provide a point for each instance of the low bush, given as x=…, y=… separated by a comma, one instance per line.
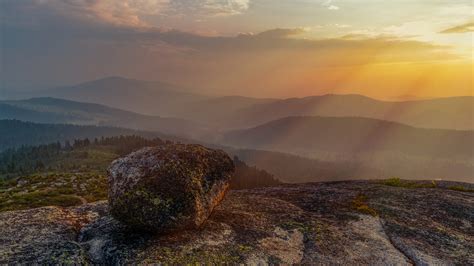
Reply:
x=397, y=182
x=461, y=188
x=360, y=205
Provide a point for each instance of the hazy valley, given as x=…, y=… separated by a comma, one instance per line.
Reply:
x=336, y=136
x=231, y=112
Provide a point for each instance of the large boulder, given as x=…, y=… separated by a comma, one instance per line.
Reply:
x=168, y=187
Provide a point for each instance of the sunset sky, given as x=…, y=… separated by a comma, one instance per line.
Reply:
x=399, y=49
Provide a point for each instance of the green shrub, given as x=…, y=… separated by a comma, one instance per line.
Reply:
x=461, y=188
x=360, y=205
x=397, y=182
x=393, y=182
x=35, y=199
x=52, y=189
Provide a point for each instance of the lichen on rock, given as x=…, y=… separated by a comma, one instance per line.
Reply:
x=169, y=187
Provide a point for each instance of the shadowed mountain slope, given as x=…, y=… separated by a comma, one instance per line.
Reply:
x=352, y=136
x=15, y=133
x=51, y=110
x=444, y=113
x=146, y=97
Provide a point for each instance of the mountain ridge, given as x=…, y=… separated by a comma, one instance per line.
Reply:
x=351, y=135
x=233, y=112
x=53, y=110
x=145, y=97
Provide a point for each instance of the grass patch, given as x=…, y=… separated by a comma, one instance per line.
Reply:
x=360, y=205
x=21, y=201
x=224, y=256
x=52, y=189
x=461, y=188
x=397, y=182
x=292, y=225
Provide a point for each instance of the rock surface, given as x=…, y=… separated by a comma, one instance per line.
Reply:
x=168, y=187
x=358, y=222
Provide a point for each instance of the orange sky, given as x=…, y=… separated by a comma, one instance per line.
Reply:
x=382, y=81
x=283, y=48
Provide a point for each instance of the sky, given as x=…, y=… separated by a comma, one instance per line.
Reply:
x=398, y=49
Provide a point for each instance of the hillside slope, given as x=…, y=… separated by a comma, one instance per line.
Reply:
x=233, y=112
x=443, y=113
x=146, y=97
x=320, y=223
x=52, y=110
x=352, y=136
x=14, y=133
x=239, y=112
x=297, y=169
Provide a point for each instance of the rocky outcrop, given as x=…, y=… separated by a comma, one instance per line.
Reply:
x=45, y=235
x=169, y=187
x=357, y=222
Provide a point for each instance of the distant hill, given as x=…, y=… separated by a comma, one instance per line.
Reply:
x=353, y=136
x=298, y=169
x=234, y=112
x=443, y=113
x=146, y=97
x=14, y=133
x=226, y=112
x=52, y=110
x=154, y=98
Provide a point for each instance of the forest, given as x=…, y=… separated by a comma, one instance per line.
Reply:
x=16, y=133
x=94, y=155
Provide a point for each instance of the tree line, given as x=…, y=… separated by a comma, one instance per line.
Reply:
x=53, y=157
x=30, y=159
x=14, y=133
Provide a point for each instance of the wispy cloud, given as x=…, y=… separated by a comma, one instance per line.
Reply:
x=52, y=13
x=226, y=7
x=206, y=7
x=329, y=4
x=124, y=13
x=277, y=33
x=466, y=27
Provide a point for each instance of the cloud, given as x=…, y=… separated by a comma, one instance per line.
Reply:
x=280, y=33
x=38, y=27
x=206, y=7
x=66, y=41
x=464, y=28
x=284, y=43
x=329, y=5
x=112, y=13
x=79, y=13
x=226, y=7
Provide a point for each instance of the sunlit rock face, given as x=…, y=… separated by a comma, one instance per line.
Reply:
x=169, y=187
